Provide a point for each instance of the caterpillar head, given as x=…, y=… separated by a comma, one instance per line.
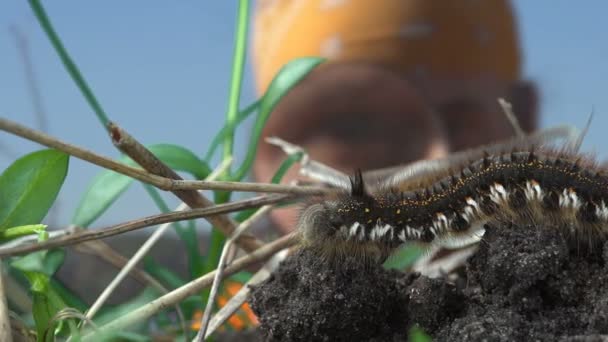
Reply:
x=337, y=226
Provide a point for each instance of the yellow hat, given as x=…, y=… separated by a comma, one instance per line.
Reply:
x=452, y=38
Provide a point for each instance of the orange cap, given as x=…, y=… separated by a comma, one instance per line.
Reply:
x=451, y=38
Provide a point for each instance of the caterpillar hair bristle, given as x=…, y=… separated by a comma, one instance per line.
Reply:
x=547, y=187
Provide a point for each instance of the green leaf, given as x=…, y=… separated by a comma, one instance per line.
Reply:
x=290, y=75
x=418, y=335
x=42, y=311
x=45, y=303
x=108, y=314
x=285, y=166
x=404, y=257
x=181, y=158
x=241, y=277
x=43, y=262
x=29, y=187
x=165, y=275
x=108, y=185
x=71, y=299
x=15, y=232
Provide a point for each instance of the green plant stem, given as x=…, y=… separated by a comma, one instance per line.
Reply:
x=238, y=64
x=219, y=137
x=67, y=61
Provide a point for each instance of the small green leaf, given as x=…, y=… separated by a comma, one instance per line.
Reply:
x=285, y=166
x=163, y=274
x=29, y=187
x=15, y=232
x=241, y=277
x=108, y=185
x=42, y=311
x=43, y=262
x=404, y=257
x=45, y=303
x=182, y=159
x=108, y=314
x=290, y=75
x=418, y=335
x=71, y=299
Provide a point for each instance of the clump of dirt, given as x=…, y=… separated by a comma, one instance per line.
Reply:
x=523, y=284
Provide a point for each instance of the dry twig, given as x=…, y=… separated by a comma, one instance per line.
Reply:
x=146, y=177
x=220, y=268
x=5, y=323
x=240, y=297
x=88, y=235
x=193, y=287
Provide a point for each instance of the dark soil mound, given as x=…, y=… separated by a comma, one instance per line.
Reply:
x=523, y=284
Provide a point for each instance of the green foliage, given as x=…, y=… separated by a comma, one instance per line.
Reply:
x=404, y=257
x=418, y=335
x=15, y=232
x=29, y=187
x=38, y=268
x=289, y=75
x=67, y=61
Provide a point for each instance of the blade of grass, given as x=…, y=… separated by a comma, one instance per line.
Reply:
x=220, y=136
x=238, y=64
x=290, y=75
x=67, y=61
x=217, y=239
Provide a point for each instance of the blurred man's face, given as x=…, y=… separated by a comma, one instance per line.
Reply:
x=355, y=116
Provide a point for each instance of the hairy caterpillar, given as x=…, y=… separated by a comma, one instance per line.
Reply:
x=561, y=189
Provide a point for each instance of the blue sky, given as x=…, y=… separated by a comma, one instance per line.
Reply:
x=161, y=70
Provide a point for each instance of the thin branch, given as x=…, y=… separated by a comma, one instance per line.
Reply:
x=21, y=43
x=5, y=323
x=107, y=253
x=103, y=251
x=222, y=264
x=311, y=168
x=507, y=109
x=193, y=287
x=129, y=266
x=578, y=142
x=88, y=235
x=160, y=182
x=27, y=239
x=194, y=199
